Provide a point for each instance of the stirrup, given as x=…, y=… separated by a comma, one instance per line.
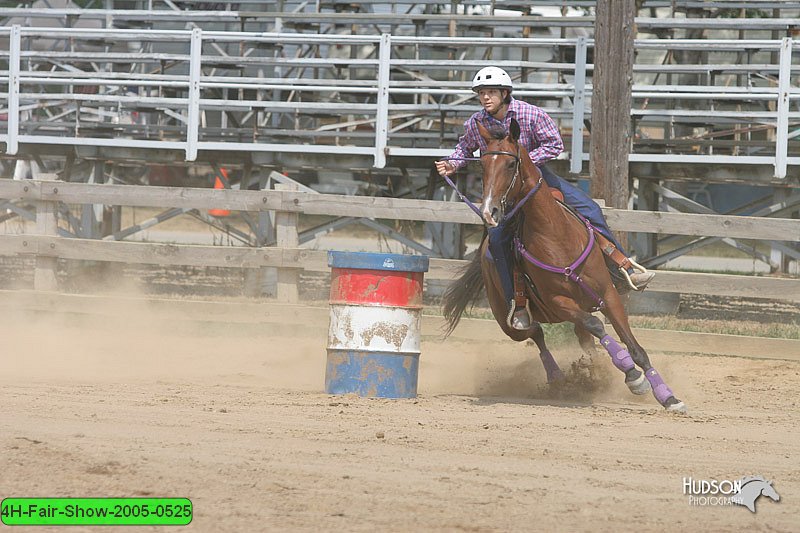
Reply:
x=512, y=309
x=624, y=271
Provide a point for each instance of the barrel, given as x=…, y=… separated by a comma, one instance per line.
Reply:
x=375, y=316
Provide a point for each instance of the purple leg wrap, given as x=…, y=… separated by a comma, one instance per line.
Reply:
x=619, y=355
x=660, y=389
x=551, y=367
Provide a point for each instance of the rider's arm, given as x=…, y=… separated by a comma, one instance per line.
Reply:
x=546, y=138
x=467, y=145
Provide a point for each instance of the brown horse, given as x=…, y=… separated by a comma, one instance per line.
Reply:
x=547, y=236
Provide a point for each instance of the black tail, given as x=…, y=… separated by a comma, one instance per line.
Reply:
x=462, y=293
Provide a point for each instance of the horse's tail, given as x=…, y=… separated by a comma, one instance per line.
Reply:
x=462, y=292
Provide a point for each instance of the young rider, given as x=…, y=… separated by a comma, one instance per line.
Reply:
x=540, y=137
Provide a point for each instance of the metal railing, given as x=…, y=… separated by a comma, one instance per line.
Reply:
x=379, y=95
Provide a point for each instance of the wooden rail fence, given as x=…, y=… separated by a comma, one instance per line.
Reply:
x=289, y=258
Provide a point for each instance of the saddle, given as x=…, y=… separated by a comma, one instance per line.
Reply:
x=614, y=258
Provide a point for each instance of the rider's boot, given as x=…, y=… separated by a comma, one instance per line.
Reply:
x=640, y=279
x=519, y=317
x=634, y=276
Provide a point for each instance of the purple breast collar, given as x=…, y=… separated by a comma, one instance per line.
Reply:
x=570, y=271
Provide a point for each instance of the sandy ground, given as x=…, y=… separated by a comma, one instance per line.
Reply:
x=139, y=402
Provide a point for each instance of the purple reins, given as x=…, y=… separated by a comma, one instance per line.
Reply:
x=460, y=195
x=474, y=207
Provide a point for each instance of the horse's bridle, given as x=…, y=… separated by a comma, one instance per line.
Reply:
x=504, y=199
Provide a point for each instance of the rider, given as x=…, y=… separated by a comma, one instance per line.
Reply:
x=540, y=137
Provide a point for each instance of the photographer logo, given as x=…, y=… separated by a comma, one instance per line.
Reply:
x=744, y=491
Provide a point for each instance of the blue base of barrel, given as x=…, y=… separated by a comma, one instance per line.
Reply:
x=372, y=374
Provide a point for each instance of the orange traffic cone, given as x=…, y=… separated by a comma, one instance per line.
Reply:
x=218, y=185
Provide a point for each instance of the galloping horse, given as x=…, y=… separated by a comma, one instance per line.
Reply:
x=547, y=235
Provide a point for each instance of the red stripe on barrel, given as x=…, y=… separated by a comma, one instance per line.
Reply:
x=376, y=287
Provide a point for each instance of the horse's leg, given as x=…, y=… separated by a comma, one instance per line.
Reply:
x=619, y=320
x=586, y=341
x=588, y=322
x=637, y=383
x=554, y=373
x=499, y=306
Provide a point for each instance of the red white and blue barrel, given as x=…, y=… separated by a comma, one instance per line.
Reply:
x=375, y=317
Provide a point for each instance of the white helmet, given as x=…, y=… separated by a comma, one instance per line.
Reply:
x=492, y=77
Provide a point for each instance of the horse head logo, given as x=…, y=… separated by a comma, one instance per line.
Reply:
x=752, y=488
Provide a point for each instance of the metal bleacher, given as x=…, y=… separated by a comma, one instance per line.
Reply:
x=361, y=97
x=384, y=85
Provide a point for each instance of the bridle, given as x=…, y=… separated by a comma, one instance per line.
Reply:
x=504, y=198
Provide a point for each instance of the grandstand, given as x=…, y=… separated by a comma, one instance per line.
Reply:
x=335, y=93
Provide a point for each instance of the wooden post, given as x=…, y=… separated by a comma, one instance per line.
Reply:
x=44, y=275
x=287, y=237
x=776, y=255
x=646, y=244
x=90, y=222
x=614, y=31
x=253, y=277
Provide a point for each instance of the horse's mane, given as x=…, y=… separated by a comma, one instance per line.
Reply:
x=748, y=479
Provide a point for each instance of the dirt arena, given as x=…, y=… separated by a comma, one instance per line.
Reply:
x=223, y=404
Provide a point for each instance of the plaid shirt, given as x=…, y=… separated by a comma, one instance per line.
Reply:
x=539, y=133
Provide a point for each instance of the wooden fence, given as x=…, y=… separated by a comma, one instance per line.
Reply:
x=289, y=258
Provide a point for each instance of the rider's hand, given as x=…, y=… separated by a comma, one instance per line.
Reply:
x=445, y=168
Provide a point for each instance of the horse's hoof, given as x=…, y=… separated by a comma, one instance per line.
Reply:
x=676, y=406
x=556, y=377
x=639, y=385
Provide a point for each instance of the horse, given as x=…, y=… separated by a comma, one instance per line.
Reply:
x=752, y=488
x=548, y=234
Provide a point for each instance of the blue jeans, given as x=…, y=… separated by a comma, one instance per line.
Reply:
x=580, y=201
x=501, y=237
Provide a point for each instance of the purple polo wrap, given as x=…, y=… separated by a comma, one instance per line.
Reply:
x=551, y=367
x=660, y=389
x=619, y=355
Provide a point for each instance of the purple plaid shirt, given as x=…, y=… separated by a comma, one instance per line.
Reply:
x=539, y=133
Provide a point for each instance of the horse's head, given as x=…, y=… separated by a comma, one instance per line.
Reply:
x=751, y=488
x=769, y=491
x=501, y=172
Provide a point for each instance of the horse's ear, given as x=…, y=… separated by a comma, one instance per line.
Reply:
x=514, y=130
x=484, y=132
